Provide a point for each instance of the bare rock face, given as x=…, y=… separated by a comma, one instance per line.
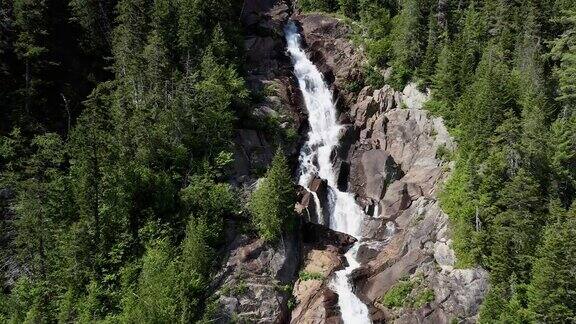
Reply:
x=371, y=173
x=269, y=76
x=323, y=250
x=312, y=200
x=331, y=48
x=251, y=284
x=420, y=246
x=389, y=159
x=254, y=282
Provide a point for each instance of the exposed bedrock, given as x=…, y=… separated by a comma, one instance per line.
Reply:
x=322, y=256
x=389, y=159
x=254, y=284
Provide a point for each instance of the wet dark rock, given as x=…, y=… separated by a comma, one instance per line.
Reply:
x=318, y=235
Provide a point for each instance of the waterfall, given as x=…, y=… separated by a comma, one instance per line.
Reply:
x=315, y=160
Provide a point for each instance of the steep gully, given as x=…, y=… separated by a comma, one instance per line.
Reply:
x=384, y=153
x=315, y=160
x=387, y=158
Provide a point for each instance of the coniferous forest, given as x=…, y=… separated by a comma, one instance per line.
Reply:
x=116, y=127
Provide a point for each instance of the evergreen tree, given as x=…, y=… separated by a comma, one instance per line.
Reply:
x=272, y=203
x=155, y=299
x=484, y=107
x=349, y=8
x=563, y=159
x=562, y=51
x=319, y=5
x=516, y=229
x=31, y=48
x=407, y=41
x=96, y=18
x=553, y=287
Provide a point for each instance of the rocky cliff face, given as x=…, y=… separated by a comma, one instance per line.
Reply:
x=255, y=280
x=391, y=158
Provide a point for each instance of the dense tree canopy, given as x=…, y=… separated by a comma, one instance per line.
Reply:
x=115, y=134
x=116, y=127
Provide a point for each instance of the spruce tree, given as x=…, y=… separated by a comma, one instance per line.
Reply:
x=407, y=41
x=563, y=52
x=272, y=203
x=553, y=286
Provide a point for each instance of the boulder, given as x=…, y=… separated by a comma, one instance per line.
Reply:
x=324, y=248
x=413, y=98
x=318, y=236
x=371, y=172
x=306, y=206
x=318, y=306
x=363, y=110
x=246, y=287
x=385, y=98
x=380, y=170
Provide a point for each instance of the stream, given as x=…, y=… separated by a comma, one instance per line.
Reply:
x=315, y=161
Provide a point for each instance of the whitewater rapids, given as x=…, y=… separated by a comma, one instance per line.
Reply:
x=315, y=160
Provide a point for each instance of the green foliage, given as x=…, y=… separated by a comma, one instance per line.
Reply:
x=516, y=228
x=424, y=297
x=120, y=200
x=398, y=294
x=118, y=217
x=443, y=153
x=373, y=77
x=562, y=52
x=485, y=104
x=272, y=203
x=379, y=51
x=407, y=32
x=305, y=275
x=408, y=293
x=319, y=5
x=494, y=304
x=349, y=8
x=495, y=69
x=354, y=86
x=155, y=299
x=552, y=290
x=563, y=159
x=457, y=201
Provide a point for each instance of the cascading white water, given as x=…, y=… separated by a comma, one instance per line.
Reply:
x=315, y=160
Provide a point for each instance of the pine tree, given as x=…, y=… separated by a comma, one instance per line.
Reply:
x=91, y=158
x=444, y=82
x=516, y=228
x=563, y=49
x=349, y=8
x=96, y=18
x=433, y=47
x=553, y=287
x=30, y=46
x=563, y=159
x=272, y=203
x=487, y=101
x=155, y=299
x=407, y=41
